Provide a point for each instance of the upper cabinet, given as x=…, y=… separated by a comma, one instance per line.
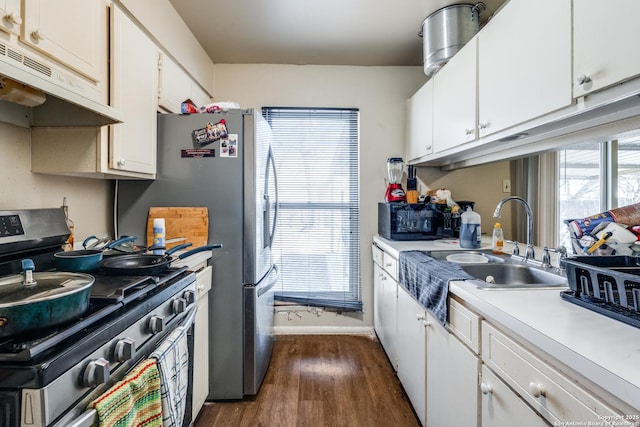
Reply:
x=420, y=123
x=455, y=100
x=11, y=17
x=134, y=92
x=80, y=43
x=175, y=86
x=524, y=64
x=602, y=38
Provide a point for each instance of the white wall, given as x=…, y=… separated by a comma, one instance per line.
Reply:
x=89, y=200
x=380, y=94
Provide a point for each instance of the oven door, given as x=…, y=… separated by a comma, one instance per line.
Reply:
x=79, y=416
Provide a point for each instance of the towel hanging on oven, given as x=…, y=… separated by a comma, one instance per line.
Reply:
x=173, y=362
x=134, y=401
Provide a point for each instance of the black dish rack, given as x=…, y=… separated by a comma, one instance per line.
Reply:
x=609, y=285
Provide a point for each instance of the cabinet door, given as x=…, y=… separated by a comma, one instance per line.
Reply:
x=524, y=64
x=10, y=15
x=420, y=122
x=175, y=85
x=452, y=379
x=411, y=352
x=454, y=100
x=201, y=342
x=135, y=77
x=601, y=41
x=501, y=407
x=69, y=31
x=384, y=311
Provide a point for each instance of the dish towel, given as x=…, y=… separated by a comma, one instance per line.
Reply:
x=173, y=362
x=427, y=279
x=132, y=402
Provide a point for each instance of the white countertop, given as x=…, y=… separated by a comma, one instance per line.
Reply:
x=603, y=350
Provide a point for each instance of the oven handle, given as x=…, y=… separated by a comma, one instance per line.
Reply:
x=89, y=417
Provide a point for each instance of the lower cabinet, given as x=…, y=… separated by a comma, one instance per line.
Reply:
x=201, y=341
x=385, y=311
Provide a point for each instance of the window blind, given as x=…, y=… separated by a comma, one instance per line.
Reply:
x=318, y=239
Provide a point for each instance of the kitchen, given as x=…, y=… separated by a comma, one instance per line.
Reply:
x=380, y=92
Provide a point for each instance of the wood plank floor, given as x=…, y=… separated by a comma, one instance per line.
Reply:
x=328, y=380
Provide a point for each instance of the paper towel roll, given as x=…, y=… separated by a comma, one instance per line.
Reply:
x=18, y=93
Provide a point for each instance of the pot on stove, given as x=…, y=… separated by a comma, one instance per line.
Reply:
x=33, y=301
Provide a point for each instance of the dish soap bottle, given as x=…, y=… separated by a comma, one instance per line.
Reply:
x=68, y=245
x=497, y=241
x=470, y=230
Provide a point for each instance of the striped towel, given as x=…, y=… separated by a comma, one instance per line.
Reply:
x=132, y=402
x=173, y=362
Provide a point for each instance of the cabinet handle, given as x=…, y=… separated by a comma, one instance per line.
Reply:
x=13, y=18
x=420, y=317
x=428, y=148
x=536, y=390
x=38, y=35
x=383, y=277
x=122, y=162
x=483, y=125
x=468, y=132
x=425, y=323
x=582, y=79
x=486, y=388
x=388, y=264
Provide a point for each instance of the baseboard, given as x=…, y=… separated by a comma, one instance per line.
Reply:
x=323, y=330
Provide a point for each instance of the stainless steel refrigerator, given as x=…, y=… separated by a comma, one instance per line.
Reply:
x=224, y=161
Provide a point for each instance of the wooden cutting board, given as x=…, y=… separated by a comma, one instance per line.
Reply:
x=189, y=223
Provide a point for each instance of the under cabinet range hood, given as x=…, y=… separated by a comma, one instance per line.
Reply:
x=69, y=101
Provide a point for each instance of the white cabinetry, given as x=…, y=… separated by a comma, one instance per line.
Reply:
x=176, y=86
x=455, y=91
x=134, y=92
x=80, y=42
x=201, y=341
x=420, y=122
x=385, y=291
x=10, y=16
x=412, y=351
x=601, y=40
x=524, y=68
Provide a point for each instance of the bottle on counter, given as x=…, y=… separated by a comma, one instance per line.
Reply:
x=68, y=245
x=470, y=230
x=158, y=235
x=497, y=240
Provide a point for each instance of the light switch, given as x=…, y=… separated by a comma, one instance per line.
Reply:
x=506, y=186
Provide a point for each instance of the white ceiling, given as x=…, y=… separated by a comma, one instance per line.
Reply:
x=328, y=32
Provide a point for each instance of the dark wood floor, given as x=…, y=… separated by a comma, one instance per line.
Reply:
x=332, y=380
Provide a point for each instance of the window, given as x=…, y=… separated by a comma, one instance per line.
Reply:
x=318, y=238
x=595, y=177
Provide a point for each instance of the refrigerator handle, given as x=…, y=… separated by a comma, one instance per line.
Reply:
x=271, y=160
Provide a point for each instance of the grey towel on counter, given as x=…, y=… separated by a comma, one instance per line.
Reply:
x=427, y=279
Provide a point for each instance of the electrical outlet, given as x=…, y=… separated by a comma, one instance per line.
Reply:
x=506, y=186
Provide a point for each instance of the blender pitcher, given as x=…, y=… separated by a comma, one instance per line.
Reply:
x=395, y=193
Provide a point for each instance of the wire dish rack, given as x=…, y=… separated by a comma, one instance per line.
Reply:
x=609, y=285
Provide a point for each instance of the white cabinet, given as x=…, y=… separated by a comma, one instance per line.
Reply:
x=412, y=351
x=71, y=32
x=455, y=91
x=385, y=291
x=175, y=86
x=601, y=40
x=10, y=16
x=134, y=92
x=201, y=341
x=524, y=64
x=420, y=122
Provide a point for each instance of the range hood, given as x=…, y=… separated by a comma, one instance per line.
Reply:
x=69, y=101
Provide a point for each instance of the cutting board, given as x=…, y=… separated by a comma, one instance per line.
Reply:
x=189, y=224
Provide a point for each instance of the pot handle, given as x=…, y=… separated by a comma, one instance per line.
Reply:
x=120, y=241
x=480, y=7
x=200, y=249
x=177, y=248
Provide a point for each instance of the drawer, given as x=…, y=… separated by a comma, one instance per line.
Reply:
x=558, y=398
x=203, y=281
x=464, y=324
x=378, y=255
x=391, y=266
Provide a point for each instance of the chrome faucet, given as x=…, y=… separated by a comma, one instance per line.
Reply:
x=529, y=252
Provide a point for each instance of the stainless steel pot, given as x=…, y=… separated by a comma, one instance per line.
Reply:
x=446, y=31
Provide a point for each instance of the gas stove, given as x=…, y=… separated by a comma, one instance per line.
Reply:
x=48, y=377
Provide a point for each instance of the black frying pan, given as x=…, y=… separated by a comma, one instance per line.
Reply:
x=148, y=264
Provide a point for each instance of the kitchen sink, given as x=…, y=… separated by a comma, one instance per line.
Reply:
x=513, y=275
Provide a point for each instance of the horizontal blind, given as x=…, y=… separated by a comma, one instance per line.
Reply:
x=318, y=238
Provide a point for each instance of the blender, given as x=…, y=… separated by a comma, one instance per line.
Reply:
x=395, y=193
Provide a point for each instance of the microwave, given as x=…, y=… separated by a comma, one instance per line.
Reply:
x=416, y=221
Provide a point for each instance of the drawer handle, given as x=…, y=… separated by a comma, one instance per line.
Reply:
x=486, y=388
x=420, y=317
x=536, y=390
x=388, y=264
x=583, y=79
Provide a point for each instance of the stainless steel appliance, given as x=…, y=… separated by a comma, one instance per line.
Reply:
x=221, y=160
x=49, y=376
